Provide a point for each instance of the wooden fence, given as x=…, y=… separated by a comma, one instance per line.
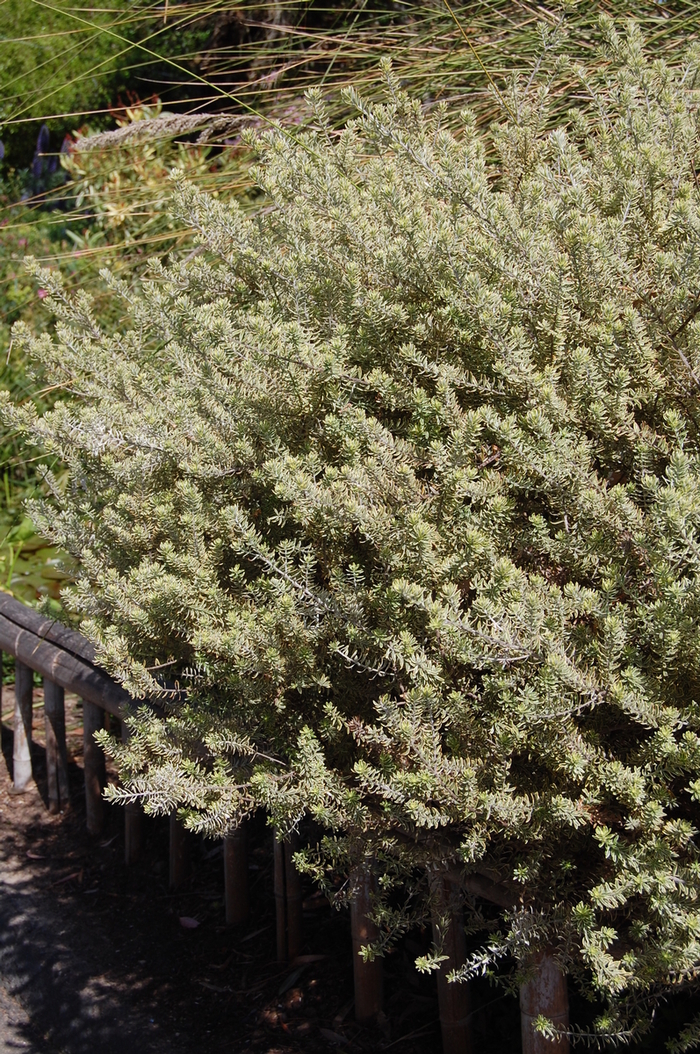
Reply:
x=66, y=662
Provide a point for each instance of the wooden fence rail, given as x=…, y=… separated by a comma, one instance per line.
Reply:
x=66, y=661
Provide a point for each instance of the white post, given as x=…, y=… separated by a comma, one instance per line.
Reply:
x=22, y=749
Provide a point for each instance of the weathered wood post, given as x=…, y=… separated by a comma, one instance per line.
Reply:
x=93, y=767
x=280, y=899
x=544, y=993
x=295, y=912
x=368, y=976
x=454, y=999
x=22, y=748
x=179, y=852
x=56, y=756
x=288, y=900
x=133, y=822
x=236, y=876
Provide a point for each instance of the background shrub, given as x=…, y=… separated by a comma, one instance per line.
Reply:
x=398, y=478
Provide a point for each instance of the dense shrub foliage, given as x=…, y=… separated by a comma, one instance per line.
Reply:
x=398, y=478
x=112, y=211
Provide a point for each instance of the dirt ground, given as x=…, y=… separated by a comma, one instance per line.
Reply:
x=94, y=956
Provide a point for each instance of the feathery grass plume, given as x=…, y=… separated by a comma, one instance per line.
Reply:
x=399, y=480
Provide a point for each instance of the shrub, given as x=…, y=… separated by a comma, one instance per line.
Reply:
x=113, y=211
x=124, y=190
x=27, y=566
x=398, y=478
x=59, y=62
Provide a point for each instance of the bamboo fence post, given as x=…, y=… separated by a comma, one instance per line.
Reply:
x=280, y=899
x=133, y=822
x=22, y=747
x=454, y=999
x=288, y=900
x=236, y=876
x=56, y=757
x=179, y=852
x=544, y=993
x=93, y=767
x=295, y=911
x=368, y=976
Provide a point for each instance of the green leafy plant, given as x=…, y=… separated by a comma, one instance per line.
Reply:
x=119, y=180
x=67, y=62
x=391, y=495
x=113, y=210
x=28, y=565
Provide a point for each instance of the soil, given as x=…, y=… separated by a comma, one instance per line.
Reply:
x=95, y=957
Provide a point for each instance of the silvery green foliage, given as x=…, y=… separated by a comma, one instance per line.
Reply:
x=399, y=478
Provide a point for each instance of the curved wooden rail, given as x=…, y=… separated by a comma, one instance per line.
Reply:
x=46, y=628
x=66, y=661
x=69, y=671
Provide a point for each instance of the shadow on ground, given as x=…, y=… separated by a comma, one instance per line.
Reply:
x=53, y=998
